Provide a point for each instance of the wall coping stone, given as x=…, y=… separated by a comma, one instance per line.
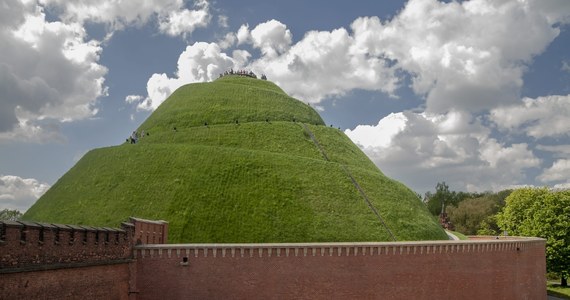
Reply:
x=159, y=222
x=493, y=240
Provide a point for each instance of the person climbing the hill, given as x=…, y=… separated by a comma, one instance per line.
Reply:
x=134, y=137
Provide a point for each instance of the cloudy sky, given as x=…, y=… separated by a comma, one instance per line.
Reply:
x=475, y=93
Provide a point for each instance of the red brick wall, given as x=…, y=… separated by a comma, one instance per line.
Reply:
x=29, y=245
x=489, y=269
x=52, y=261
x=79, y=262
x=94, y=282
x=150, y=231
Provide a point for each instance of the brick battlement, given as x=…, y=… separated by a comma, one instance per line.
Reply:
x=504, y=268
x=72, y=262
x=335, y=249
x=28, y=245
x=149, y=231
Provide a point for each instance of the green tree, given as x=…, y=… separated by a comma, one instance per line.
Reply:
x=476, y=214
x=469, y=214
x=10, y=214
x=443, y=198
x=488, y=225
x=543, y=213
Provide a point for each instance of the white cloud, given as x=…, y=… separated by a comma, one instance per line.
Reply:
x=562, y=186
x=243, y=34
x=133, y=98
x=565, y=66
x=559, y=171
x=198, y=63
x=381, y=135
x=223, y=21
x=184, y=21
x=541, y=117
x=325, y=64
x=558, y=150
x=228, y=41
x=20, y=193
x=272, y=38
x=173, y=17
x=48, y=70
x=423, y=149
x=34, y=131
x=463, y=56
x=467, y=56
x=322, y=64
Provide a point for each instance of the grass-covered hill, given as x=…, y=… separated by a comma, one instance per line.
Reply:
x=246, y=163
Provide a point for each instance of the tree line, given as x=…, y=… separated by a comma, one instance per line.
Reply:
x=537, y=212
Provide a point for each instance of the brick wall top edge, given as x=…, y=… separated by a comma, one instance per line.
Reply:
x=127, y=224
x=30, y=224
x=525, y=240
x=65, y=227
x=160, y=222
x=49, y=226
x=11, y=223
x=61, y=226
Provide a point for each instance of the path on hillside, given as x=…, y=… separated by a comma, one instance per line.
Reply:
x=354, y=181
x=315, y=141
x=452, y=236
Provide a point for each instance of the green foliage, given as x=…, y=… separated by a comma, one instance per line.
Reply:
x=477, y=215
x=10, y=214
x=469, y=214
x=558, y=291
x=543, y=213
x=443, y=198
x=261, y=180
x=488, y=226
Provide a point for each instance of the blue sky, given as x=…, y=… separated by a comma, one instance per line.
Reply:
x=474, y=93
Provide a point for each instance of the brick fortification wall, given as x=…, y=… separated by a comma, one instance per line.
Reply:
x=29, y=245
x=51, y=261
x=150, y=232
x=48, y=261
x=473, y=269
x=90, y=282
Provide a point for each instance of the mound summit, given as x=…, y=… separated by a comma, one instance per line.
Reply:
x=237, y=160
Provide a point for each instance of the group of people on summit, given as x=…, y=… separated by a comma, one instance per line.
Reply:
x=242, y=73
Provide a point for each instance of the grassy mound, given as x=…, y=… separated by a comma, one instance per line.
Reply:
x=277, y=175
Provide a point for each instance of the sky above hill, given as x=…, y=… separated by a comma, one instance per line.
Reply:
x=474, y=93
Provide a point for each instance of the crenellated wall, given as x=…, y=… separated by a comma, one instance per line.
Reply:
x=51, y=261
x=473, y=269
x=31, y=245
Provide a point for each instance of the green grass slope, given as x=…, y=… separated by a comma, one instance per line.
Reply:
x=255, y=181
x=226, y=100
